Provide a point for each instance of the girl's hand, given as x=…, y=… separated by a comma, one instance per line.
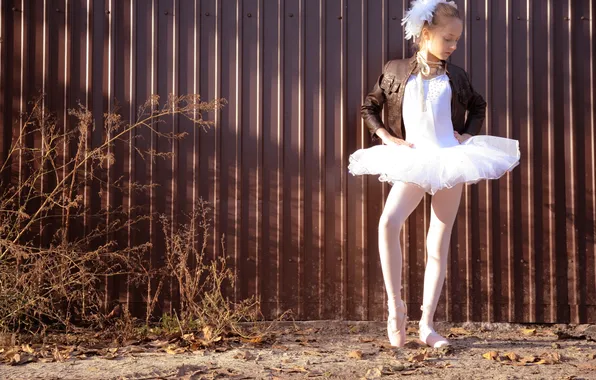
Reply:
x=392, y=140
x=461, y=138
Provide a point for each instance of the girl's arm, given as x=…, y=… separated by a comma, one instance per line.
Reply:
x=476, y=111
x=372, y=107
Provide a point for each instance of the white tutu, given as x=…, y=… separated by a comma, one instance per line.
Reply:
x=435, y=168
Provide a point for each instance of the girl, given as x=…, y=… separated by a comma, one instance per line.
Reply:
x=430, y=144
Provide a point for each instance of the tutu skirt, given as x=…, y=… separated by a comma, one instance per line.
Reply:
x=435, y=168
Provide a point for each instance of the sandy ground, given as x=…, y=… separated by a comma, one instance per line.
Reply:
x=344, y=350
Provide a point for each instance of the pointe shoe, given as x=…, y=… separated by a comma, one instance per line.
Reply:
x=429, y=336
x=396, y=325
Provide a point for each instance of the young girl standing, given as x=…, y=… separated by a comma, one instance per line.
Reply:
x=430, y=144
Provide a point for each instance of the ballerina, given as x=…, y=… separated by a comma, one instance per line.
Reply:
x=430, y=145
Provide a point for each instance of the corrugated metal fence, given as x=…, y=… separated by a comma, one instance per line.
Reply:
x=302, y=232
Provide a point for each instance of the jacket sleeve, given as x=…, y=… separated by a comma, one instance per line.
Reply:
x=373, y=106
x=476, y=111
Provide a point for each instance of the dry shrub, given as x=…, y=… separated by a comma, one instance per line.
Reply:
x=201, y=281
x=50, y=268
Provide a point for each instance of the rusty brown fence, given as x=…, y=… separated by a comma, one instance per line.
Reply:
x=301, y=232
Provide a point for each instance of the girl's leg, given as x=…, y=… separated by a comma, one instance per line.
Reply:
x=444, y=206
x=401, y=201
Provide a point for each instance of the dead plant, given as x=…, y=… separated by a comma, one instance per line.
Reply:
x=55, y=250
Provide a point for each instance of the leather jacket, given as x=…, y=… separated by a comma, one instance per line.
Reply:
x=390, y=89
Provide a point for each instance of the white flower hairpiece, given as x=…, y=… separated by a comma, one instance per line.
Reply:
x=421, y=11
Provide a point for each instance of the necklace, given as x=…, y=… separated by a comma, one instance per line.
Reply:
x=425, y=69
x=428, y=68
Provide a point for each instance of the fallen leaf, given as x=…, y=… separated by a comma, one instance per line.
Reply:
x=417, y=358
x=158, y=343
x=188, y=337
x=392, y=369
x=459, y=331
x=187, y=372
x=366, y=340
x=373, y=373
x=592, y=356
x=173, y=350
x=16, y=359
x=59, y=356
x=512, y=356
x=208, y=333
x=110, y=356
x=135, y=350
x=549, y=358
x=308, y=331
x=315, y=353
x=491, y=355
x=555, y=356
x=244, y=355
x=27, y=348
x=23, y=358
x=255, y=340
x=355, y=354
x=528, y=331
x=528, y=359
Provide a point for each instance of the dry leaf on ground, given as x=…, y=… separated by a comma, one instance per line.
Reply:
x=173, y=350
x=417, y=358
x=392, y=369
x=491, y=355
x=22, y=358
x=528, y=359
x=528, y=332
x=308, y=331
x=244, y=355
x=549, y=358
x=357, y=354
x=459, y=331
x=373, y=373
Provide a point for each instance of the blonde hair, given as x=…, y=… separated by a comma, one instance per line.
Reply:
x=442, y=12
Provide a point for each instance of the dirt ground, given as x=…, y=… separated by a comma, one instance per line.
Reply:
x=338, y=350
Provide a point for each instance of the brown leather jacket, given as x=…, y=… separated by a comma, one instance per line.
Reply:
x=390, y=88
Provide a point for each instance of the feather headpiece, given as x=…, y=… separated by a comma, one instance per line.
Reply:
x=421, y=11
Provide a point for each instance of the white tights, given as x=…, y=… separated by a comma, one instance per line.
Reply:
x=402, y=200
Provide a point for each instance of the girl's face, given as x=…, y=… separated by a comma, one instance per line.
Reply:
x=441, y=42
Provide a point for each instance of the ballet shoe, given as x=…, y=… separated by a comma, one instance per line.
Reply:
x=430, y=337
x=396, y=325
